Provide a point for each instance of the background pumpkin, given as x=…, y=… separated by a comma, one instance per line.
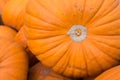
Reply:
x=7, y=32
x=40, y=72
x=13, y=13
x=21, y=39
x=76, y=38
x=2, y=4
x=14, y=63
x=111, y=74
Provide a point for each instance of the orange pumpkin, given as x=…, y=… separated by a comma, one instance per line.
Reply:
x=75, y=38
x=7, y=32
x=40, y=72
x=111, y=74
x=13, y=13
x=2, y=4
x=14, y=64
x=21, y=38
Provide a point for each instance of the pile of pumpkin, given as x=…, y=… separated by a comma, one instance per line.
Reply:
x=59, y=39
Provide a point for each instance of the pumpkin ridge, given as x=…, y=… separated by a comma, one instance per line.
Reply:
x=84, y=53
x=93, y=21
x=106, y=15
x=84, y=8
x=53, y=54
x=50, y=12
x=45, y=23
x=93, y=58
x=97, y=40
x=105, y=52
x=67, y=62
x=102, y=3
x=40, y=19
x=61, y=58
x=106, y=23
x=57, y=44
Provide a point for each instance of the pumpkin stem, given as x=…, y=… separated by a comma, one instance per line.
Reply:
x=77, y=33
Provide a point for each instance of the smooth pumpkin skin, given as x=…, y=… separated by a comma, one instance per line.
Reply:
x=49, y=21
x=111, y=74
x=7, y=32
x=13, y=13
x=2, y=4
x=14, y=61
x=40, y=72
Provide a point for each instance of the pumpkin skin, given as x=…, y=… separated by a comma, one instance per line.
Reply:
x=14, y=62
x=40, y=72
x=21, y=38
x=111, y=74
x=95, y=50
x=13, y=13
x=2, y=4
x=7, y=32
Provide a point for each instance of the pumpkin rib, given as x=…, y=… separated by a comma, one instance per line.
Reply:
x=94, y=59
x=85, y=1
x=106, y=54
x=49, y=55
x=85, y=51
x=52, y=14
x=100, y=6
x=107, y=13
x=62, y=55
x=103, y=25
x=109, y=54
x=43, y=20
x=106, y=43
x=11, y=62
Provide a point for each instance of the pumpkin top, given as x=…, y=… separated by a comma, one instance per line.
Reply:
x=75, y=38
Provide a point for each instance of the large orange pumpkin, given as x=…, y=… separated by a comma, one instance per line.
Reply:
x=13, y=61
x=13, y=13
x=40, y=72
x=111, y=74
x=7, y=32
x=75, y=38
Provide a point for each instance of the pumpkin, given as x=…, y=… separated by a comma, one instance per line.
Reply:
x=111, y=74
x=14, y=64
x=21, y=38
x=7, y=32
x=40, y=72
x=13, y=13
x=2, y=4
x=75, y=38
